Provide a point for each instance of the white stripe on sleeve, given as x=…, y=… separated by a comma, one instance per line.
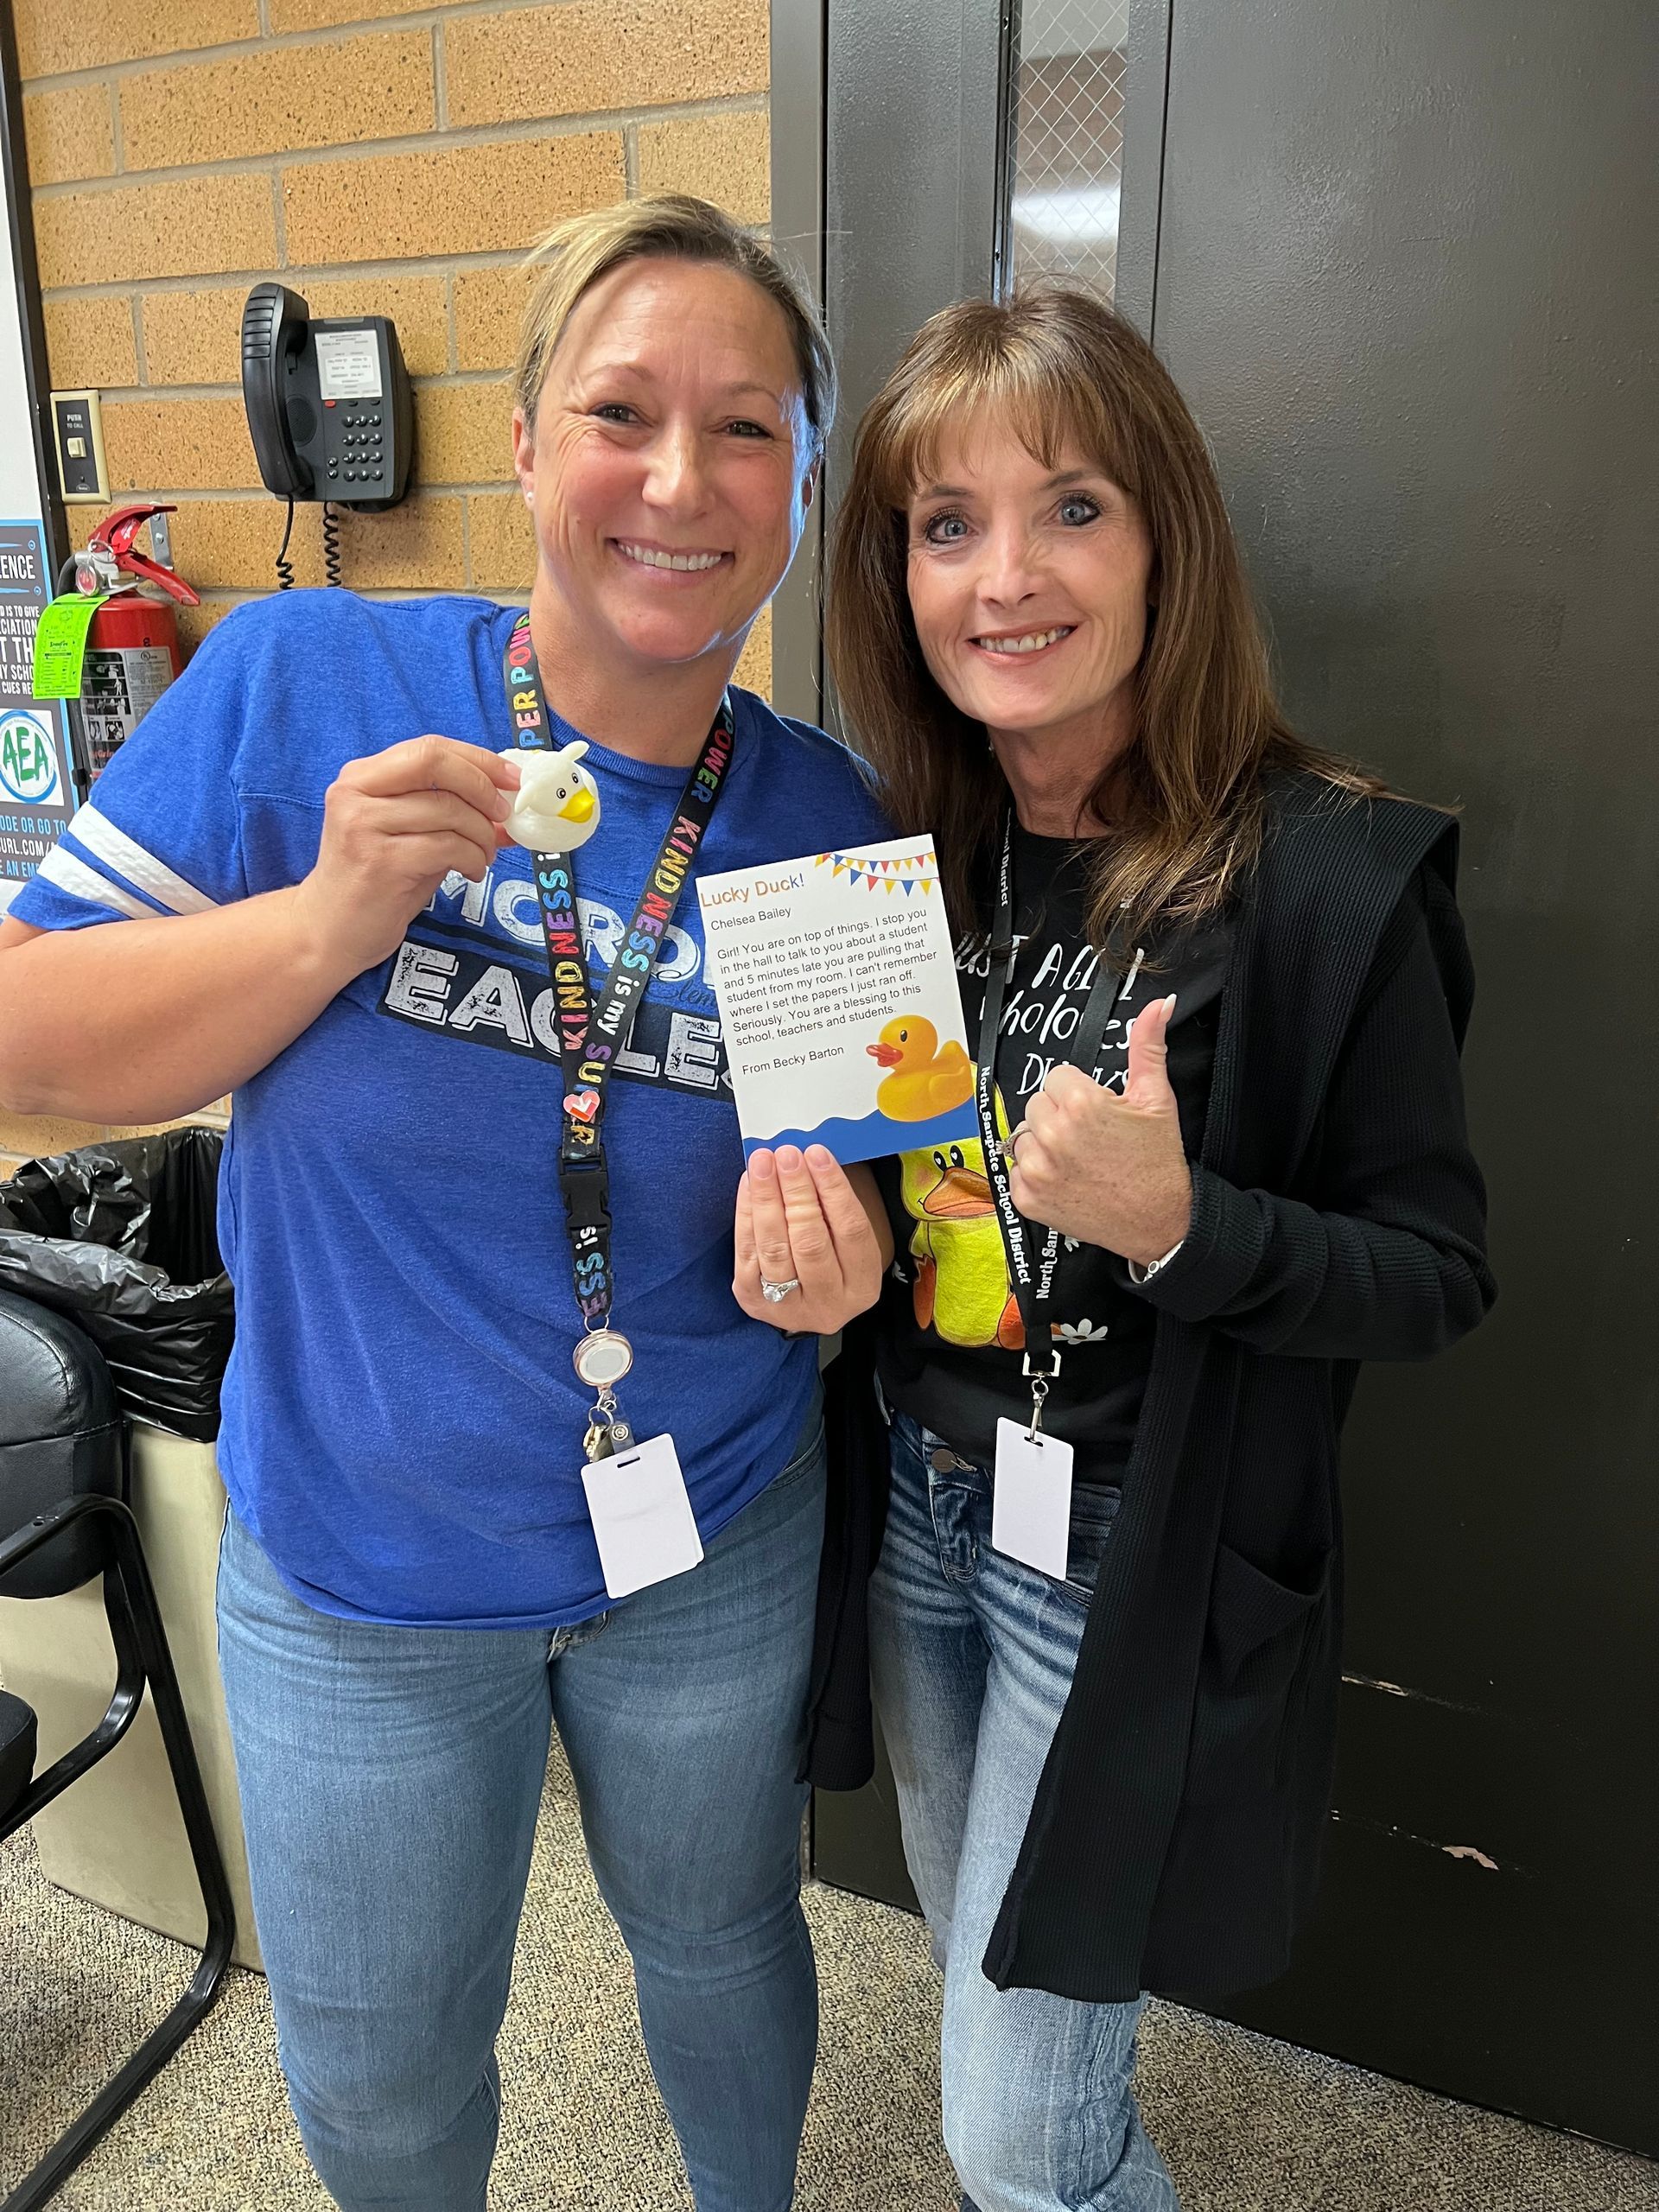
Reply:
x=68, y=874
x=106, y=842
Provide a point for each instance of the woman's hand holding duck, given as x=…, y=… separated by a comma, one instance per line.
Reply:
x=1104, y=1168
x=394, y=824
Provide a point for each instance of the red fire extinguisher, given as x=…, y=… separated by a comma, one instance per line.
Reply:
x=132, y=647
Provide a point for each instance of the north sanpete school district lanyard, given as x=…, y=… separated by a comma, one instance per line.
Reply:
x=1033, y=1287
x=592, y=1031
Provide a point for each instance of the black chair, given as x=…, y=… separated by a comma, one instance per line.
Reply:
x=63, y=1521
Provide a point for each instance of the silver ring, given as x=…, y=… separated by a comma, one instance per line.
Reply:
x=776, y=1293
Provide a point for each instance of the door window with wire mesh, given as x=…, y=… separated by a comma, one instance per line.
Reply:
x=1066, y=141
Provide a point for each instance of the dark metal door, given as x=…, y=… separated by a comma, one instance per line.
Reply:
x=1405, y=278
x=1400, y=259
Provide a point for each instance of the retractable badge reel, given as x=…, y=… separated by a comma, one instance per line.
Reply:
x=637, y=1500
x=602, y=1359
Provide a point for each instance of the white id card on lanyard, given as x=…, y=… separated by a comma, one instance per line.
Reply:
x=643, y=1521
x=1031, y=1498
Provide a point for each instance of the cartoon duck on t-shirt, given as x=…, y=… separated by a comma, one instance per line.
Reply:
x=962, y=1288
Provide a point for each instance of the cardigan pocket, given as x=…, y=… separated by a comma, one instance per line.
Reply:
x=1250, y=1679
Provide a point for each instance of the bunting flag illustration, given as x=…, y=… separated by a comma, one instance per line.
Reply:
x=873, y=871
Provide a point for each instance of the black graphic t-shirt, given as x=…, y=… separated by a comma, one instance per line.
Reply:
x=953, y=1339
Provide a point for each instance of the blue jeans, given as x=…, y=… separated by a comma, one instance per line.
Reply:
x=973, y=1656
x=390, y=1779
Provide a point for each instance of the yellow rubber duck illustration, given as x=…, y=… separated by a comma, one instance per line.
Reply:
x=961, y=1286
x=557, y=805
x=927, y=1079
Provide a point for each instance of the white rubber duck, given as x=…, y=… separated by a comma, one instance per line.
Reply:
x=557, y=807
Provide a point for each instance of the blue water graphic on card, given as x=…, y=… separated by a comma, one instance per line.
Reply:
x=877, y=1136
x=839, y=1001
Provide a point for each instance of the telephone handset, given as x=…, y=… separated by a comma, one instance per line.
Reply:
x=328, y=400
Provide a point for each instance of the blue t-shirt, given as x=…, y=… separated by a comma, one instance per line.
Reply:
x=402, y=1425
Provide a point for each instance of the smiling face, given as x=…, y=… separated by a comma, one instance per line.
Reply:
x=1027, y=584
x=669, y=468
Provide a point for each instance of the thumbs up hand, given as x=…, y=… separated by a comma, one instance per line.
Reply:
x=1109, y=1169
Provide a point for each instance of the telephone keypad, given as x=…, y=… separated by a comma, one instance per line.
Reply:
x=360, y=437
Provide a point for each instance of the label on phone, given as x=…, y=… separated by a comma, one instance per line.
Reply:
x=643, y=1521
x=348, y=364
x=1031, y=1498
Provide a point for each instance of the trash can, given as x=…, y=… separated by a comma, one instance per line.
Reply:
x=121, y=1237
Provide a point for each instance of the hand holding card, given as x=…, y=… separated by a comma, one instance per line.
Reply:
x=817, y=1239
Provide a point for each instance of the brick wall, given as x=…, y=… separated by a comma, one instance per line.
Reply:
x=384, y=159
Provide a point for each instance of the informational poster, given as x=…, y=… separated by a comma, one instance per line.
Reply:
x=839, y=1002
x=37, y=794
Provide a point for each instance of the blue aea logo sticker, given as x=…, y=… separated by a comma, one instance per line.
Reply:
x=28, y=760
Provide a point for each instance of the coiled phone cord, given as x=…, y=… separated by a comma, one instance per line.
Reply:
x=284, y=566
x=331, y=543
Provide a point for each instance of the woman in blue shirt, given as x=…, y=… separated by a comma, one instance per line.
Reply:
x=478, y=1206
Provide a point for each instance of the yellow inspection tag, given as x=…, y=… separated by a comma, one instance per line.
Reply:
x=60, y=644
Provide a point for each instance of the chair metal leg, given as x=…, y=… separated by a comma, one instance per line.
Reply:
x=142, y=1656
x=124, y=1701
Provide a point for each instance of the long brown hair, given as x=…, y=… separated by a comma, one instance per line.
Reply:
x=1187, y=800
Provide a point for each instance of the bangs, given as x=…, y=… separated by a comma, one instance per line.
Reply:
x=988, y=373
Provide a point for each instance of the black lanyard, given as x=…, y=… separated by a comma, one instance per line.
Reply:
x=1032, y=1283
x=592, y=1030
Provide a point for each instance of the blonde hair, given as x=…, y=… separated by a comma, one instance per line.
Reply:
x=1187, y=801
x=674, y=227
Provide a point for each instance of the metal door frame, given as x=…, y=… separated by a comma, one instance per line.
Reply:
x=890, y=187
x=890, y=192
x=31, y=327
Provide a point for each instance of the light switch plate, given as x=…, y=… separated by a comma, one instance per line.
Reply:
x=78, y=435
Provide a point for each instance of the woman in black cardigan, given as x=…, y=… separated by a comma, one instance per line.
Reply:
x=1220, y=986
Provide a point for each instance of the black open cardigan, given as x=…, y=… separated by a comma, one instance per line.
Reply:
x=1338, y=1217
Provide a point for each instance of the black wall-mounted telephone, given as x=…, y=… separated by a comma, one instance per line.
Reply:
x=328, y=400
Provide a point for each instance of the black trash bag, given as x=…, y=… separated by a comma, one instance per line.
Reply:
x=122, y=1237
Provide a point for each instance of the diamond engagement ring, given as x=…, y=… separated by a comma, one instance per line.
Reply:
x=776, y=1293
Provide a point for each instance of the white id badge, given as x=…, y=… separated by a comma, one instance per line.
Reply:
x=1031, y=1498
x=642, y=1517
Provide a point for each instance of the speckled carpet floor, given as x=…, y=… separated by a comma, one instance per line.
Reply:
x=1248, y=2125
